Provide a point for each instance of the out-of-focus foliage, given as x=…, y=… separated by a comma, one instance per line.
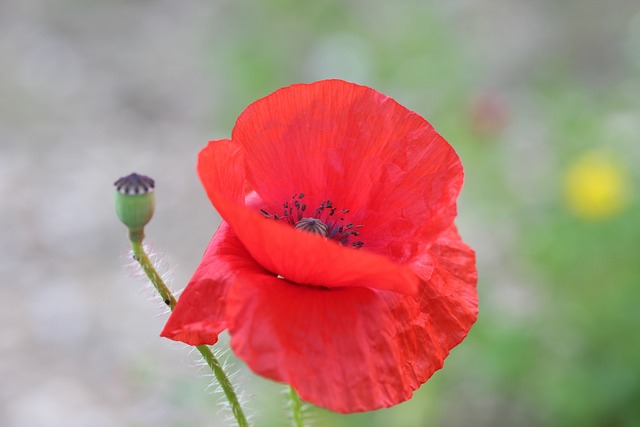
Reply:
x=525, y=91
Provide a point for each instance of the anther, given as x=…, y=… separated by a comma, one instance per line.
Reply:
x=322, y=221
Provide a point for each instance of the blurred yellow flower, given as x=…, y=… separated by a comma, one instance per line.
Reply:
x=596, y=186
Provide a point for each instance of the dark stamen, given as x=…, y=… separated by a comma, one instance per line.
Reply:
x=319, y=222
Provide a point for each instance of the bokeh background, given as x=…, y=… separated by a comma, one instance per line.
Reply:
x=541, y=99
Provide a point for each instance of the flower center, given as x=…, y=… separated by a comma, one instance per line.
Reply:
x=326, y=221
x=313, y=226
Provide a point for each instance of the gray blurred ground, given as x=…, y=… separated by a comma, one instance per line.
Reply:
x=90, y=91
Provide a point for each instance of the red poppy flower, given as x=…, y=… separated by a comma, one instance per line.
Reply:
x=337, y=268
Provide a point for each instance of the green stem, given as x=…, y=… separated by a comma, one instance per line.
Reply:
x=226, y=385
x=141, y=256
x=296, y=408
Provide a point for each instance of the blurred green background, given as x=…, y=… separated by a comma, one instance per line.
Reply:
x=541, y=99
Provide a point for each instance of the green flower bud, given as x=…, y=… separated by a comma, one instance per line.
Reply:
x=135, y=202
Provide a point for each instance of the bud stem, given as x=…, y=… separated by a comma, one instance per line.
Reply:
x=226, y=385
x=141, y=256
x=136, y=236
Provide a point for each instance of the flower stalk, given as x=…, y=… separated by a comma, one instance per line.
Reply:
x=141, y=256
x=143, y=259
x=297, y=413
x=134, y=207
x=225, y=383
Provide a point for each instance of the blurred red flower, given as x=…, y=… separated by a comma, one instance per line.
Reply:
x=362, y=308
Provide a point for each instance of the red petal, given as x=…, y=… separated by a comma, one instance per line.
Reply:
x=221, y=170
x=361, y=149
x=301, y=257
x=450, y=299
x=354, y=349
x=199, y=316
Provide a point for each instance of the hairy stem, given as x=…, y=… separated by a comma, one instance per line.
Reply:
x=296, y=408
x=143, y=259
x=226, y=385
x=141, y=256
